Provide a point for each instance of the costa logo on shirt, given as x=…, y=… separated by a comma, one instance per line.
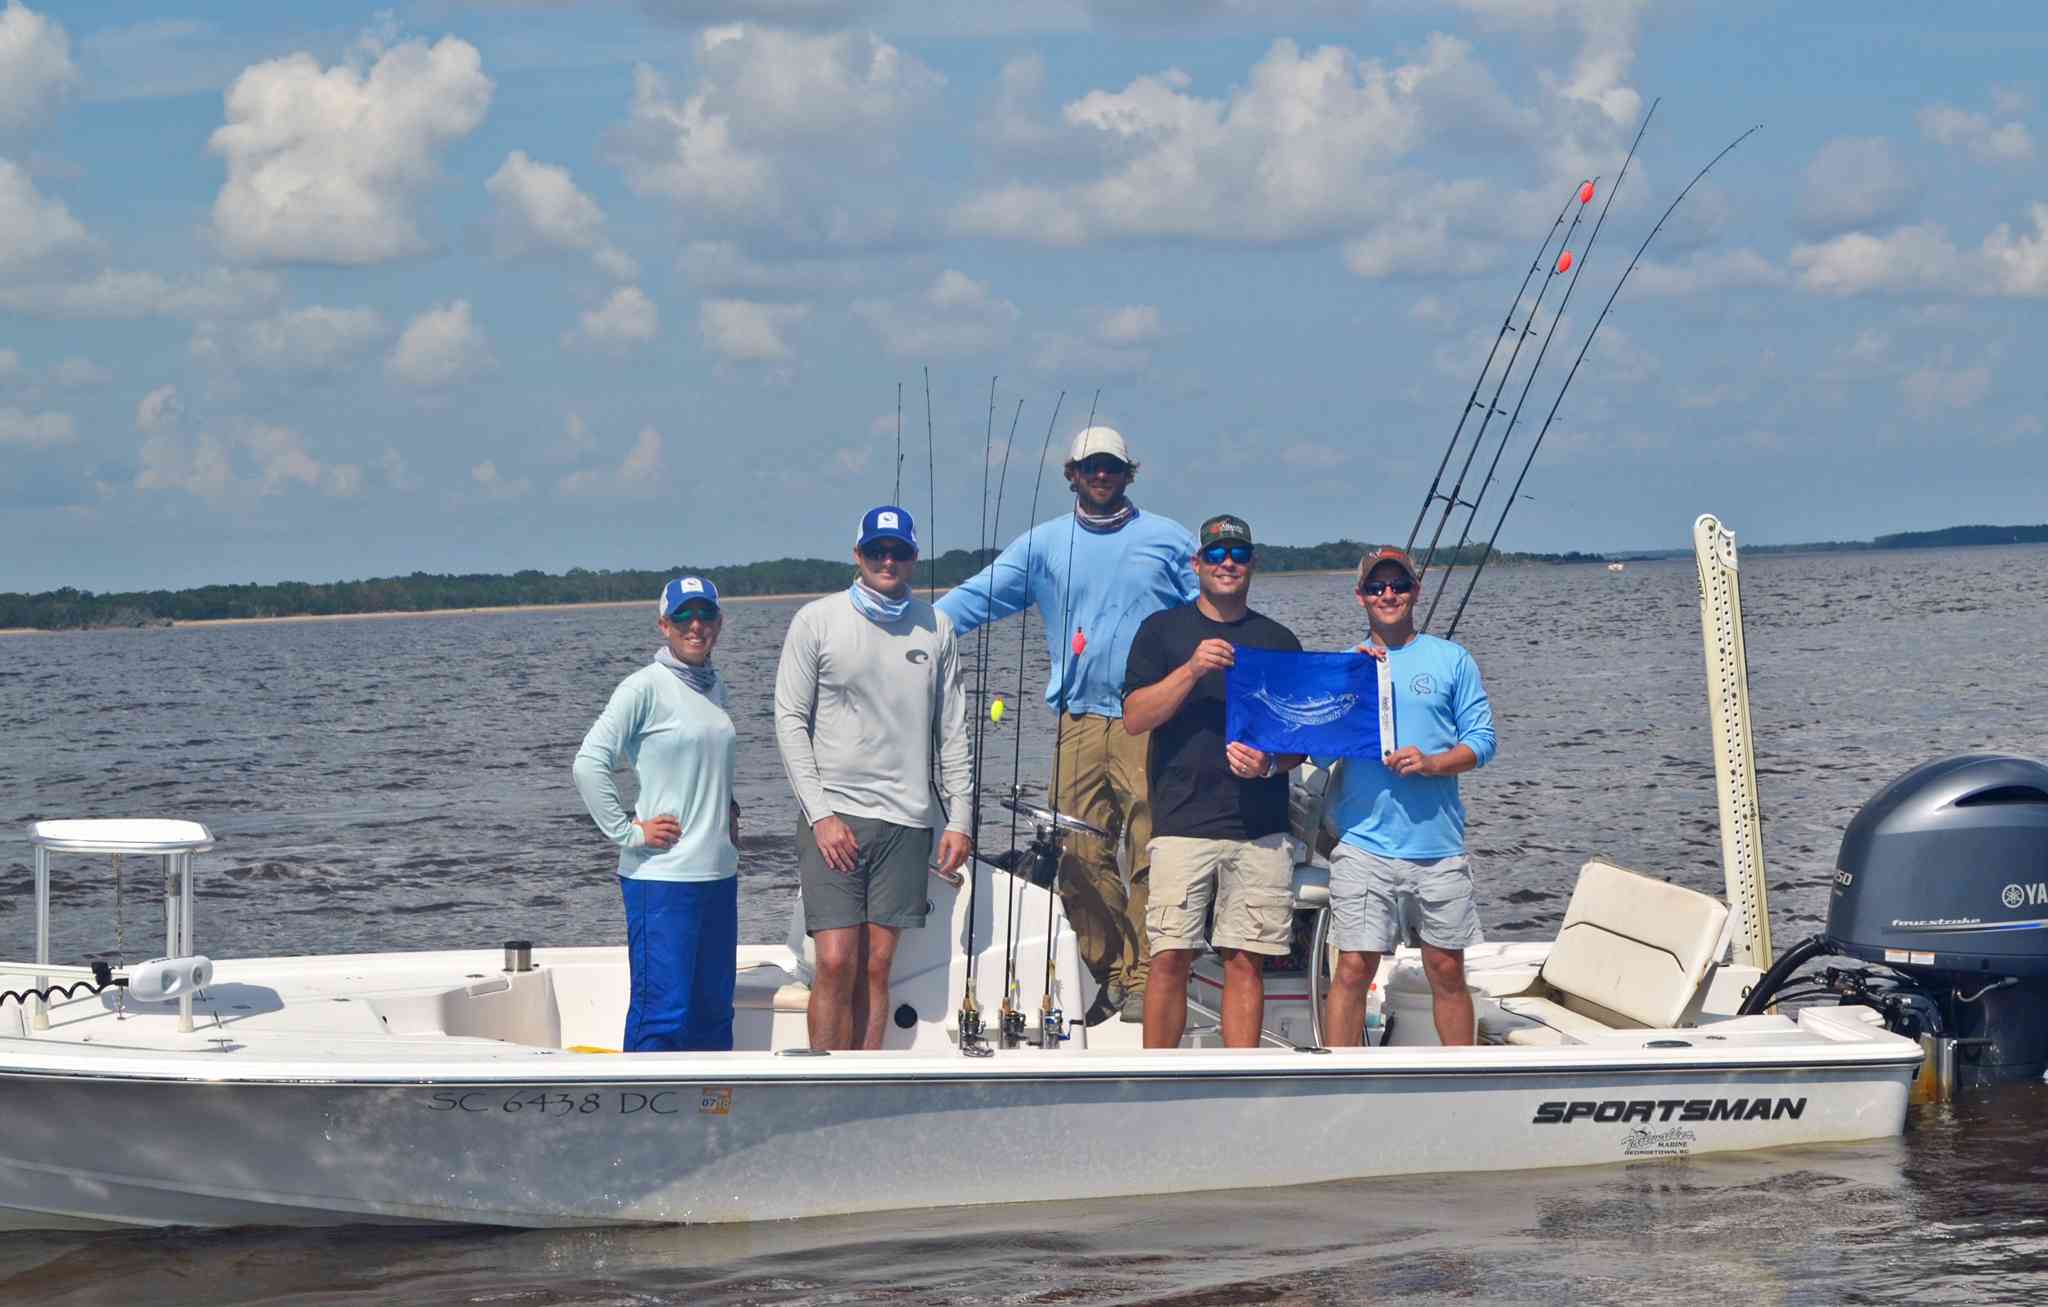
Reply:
x=916, y=656
x=1422, y=686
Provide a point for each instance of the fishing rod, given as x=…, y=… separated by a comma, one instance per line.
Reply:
x=1584, y=193
x=1556, y=322
x=1012, y=1018
x=1507, y=324
x=1050, y=1017
x=1544, y=430
x=931, y=467
x=897, y=497
x=970, y=1010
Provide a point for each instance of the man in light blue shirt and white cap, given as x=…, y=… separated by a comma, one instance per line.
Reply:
x=1094, y=575
x=678, y=849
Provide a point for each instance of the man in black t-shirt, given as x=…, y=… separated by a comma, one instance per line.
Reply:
x=1219, y=808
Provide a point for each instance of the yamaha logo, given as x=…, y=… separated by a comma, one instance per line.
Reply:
x=2022, y=896
x=2013, y=896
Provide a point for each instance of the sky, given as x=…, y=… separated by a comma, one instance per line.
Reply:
x=326, y=291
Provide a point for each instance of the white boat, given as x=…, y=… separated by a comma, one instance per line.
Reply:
x=474, y=1086
x=447, y=1087
x=1617, y=567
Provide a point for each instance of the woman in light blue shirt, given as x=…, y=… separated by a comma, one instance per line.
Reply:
x=678, y=850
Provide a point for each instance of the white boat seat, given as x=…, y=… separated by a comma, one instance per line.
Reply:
x=767, y=986
x=1634, y=953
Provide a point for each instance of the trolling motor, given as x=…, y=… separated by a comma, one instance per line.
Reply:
x=1942, y=883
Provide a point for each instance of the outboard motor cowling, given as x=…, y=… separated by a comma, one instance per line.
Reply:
x=1944, y=878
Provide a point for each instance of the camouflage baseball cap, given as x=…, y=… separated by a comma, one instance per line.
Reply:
x=1387, y=554
x=1225, y=529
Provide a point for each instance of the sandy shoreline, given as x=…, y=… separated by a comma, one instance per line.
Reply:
x=423, y=612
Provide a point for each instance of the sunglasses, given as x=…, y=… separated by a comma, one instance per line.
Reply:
x=888, y=553
x=702, y=612
x=1239, y=554
x=1100, y=463
x=1374, y=589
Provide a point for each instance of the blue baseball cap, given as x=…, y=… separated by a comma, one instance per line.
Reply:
x=687, y=589
x=886, y=523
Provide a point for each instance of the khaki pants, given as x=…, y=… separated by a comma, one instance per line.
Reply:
x=1102, y=781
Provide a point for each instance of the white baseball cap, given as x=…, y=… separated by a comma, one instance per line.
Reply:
x=1099, y=440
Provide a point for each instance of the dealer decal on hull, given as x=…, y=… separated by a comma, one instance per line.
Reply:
x=1610, y=1111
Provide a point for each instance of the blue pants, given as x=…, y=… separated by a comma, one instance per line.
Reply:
x=682, y=947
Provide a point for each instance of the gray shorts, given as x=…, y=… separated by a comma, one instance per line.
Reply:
x=1377, y=903
x=886, y=886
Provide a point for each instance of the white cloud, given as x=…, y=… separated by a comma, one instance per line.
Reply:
x=33, y=228
x=1432, y=311
x=747, y=331
x=575, y=442
x=159, y=409
x=35, y=66
x=956, y=315
x=638, y=475
x=627, y=318
x=1305, y=148
x=119, y=293
x=272, y=459
x=439, y=347
x=1608, y=28
x=325, y=165
x=493, y=486
x=540, y=206
x=78, y=373
x=777, y=127
x=10, y=365
x=1133, y=324
x=397, y=475
x=1855, y=181
x=1705, y=272
x=1943, y=388
x=313, y=339
x=1987, y=141
x=36, y=430
x=1921, y=258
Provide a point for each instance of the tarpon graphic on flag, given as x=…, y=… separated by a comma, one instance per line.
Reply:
x=1329, y=705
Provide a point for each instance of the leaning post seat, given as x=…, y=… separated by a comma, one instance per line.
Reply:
x=1634, y=953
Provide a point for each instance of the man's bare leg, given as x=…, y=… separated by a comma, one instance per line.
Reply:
x=1344, y=1006
x=1451, y=1002
x=831, y=1011
x=1166, y=997
x=871, y=1006
x=1244, y=997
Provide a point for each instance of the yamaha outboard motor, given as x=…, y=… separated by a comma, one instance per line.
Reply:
x=1943, y=880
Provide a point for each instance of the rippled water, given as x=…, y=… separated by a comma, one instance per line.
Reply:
x=404, y=783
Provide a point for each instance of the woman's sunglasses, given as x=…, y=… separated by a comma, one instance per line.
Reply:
x=698, y=611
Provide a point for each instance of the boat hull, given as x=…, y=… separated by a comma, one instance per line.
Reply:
x=751, y=1138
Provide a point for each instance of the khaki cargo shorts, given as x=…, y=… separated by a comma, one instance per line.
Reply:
x=1250, y=883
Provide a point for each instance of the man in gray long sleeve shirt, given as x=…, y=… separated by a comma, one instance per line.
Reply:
x=867, y=695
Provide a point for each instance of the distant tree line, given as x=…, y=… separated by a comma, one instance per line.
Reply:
x=70, y=609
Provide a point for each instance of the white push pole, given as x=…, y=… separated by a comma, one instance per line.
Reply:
x=1742, y=839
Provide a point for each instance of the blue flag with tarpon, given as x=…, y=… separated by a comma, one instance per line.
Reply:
x=1328, y=705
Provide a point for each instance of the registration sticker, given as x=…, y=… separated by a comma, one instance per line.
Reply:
x=1895, y=955
x=1921, y=959
x=715, y=1101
